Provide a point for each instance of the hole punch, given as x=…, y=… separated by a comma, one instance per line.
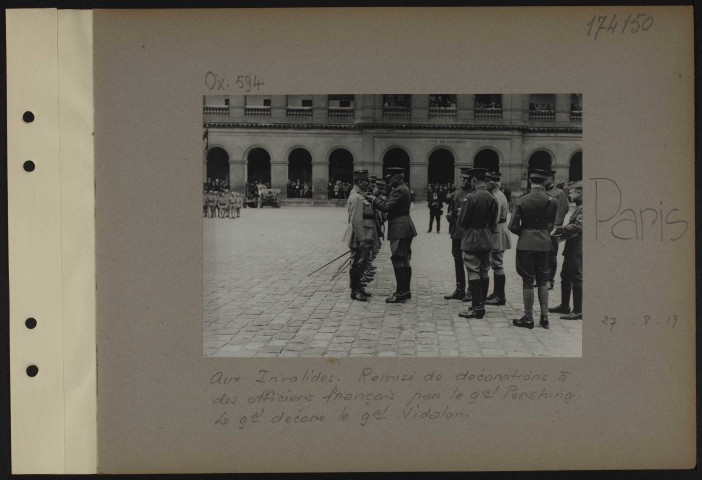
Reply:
x=32, y=370
x=30, y=323
x=29, y=166
x=28, y=117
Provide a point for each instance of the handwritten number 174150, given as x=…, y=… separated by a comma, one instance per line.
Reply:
x=632, y=24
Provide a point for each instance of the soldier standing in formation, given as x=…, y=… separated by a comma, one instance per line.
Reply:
x=562, y=201
x=400, y=232
x=456, y=232
x=533, y=219
x=501, y=241
x=359, y=238
x=572, y=269
x=212, y=203
x=478, y=218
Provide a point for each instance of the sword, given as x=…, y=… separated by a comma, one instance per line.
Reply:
x=342, y=268
x=329, y=263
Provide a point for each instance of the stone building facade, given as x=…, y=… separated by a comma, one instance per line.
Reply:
x=323, y=138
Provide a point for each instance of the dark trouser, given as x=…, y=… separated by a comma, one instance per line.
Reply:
x=553, y=260
x=458, y=264
x=572, y=278
x=400, y=255
x=478, y=265
x=358, y=256
x=432, y=216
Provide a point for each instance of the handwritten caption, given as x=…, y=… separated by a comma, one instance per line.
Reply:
x=247, y=83
x=633, y=24
x=641, y=321
x=371, y=397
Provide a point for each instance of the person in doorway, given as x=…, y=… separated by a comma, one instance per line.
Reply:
x=435, y=211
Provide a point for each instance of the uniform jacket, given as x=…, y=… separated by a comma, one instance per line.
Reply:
x=573, y=233
x=501, y=238
x=454, y=211
x=356, y=232
x=369, y=222
x=397, y=206
x=435, y=206
x=562, y=200
x=478, y=219
x=211, y=199
x=533, y=219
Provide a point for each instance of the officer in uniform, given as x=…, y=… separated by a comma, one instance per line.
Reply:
x=369, y=225
x=435, y=211
x=381, y=217
x=572, y=269
x=562, y=200
x=501, y=241
x=533, y=219
x=359, y=238
x=478, y=219
x=401, y=231
x=456, y=233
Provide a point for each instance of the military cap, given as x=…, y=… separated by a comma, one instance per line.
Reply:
x=494, y=176
x=380, y=183
x=360, y=174
x=464, y=172
x=395, y=171
x=538, y=173
x=373, y=177
x=576, y=184
x=478, y=173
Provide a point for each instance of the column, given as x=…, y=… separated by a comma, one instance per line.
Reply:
x=419, y=178
x=279, y=104
x=466, y=107
x=237, y=175
x=319, y=108
x=320, y=177
x=563, y=108
x=420, y=108
x=237, y=104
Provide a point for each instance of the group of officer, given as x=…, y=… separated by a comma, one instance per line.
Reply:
x=371, y=202
x=222, y=204
x=480, y=234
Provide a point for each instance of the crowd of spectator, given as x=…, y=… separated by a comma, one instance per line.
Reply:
x=443, y=190
x=544, y=107
x=339, y=189
x=299, y=189
x=494, y=105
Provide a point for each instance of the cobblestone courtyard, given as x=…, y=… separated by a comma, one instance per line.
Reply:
x=260, y=302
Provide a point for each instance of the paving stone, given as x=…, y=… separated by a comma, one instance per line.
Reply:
x=271, y=304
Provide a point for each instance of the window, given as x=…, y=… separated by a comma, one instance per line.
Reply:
x=307, y=103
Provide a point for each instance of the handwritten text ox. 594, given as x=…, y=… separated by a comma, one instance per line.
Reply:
x=247, y=83
x=632, y=24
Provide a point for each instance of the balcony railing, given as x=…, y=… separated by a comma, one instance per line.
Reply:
x=442, y=112
x=548, y=115
x=299, y=111
x=576, y=116
x=216, y=109
x=488, y=112
x=258, y=111
x=396, y=111
x=340, y=112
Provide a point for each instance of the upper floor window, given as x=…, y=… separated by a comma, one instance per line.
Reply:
x=397, y=105
x=542, y=107
x=576, y=107
x=299, y=106
x=443, y=105
x=257, y=106
x=340, y=105
x=488, y=106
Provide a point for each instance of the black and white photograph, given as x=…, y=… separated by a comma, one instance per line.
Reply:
x=394, y=225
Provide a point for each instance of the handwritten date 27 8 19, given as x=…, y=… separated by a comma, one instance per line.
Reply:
x=644, y=321
x=632, y=24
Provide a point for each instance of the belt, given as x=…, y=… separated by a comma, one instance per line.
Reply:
x=535, y=228
x=366, y=217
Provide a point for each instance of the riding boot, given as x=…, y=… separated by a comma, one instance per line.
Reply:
x=478, y=309
x=356, y=293
x=397, y=296
x=407, y=278
x=484, y=287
